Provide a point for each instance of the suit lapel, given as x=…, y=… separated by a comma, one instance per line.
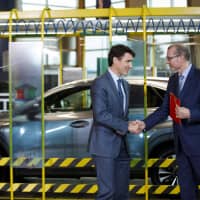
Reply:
x=112, y=84
x=176, y=85
x=188, y=82
x=115, y=90
x=173, y=85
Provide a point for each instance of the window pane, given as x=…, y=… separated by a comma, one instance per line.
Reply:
x=53, y=4
x=180, y=3
x=101, y=42
x=154, y=97
x=64, y=3
x=34, y=1
x=78, y=101
x=167, y=3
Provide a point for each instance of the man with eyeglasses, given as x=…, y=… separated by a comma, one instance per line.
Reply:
x=185, y=85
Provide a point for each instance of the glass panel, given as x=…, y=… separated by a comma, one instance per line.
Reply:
x=32, y=7
x=92, y=59
x=63, y=3
x=159, y=51
x=53, y=4
x=25, y=62
x=99, y=52
x=138, y=62
x=69, y=58
x=101, y=42
x=90, y=4
x=182, y=3
x=33, y=1
x=167, y=3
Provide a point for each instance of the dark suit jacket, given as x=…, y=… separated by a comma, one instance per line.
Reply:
x=110, y=121
x=188, y=133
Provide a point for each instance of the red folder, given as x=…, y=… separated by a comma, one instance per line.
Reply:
x=174, y=101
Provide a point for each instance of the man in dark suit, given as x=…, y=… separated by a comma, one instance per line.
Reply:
x=107, y=143
x=184, y=84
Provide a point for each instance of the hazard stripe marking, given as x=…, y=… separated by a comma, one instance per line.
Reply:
x=176, y=190
x=62, y=188
x=93, y=189
x=67, y=162
x=161, y=189
x=143, y=189
x=81, y=162
x=135, y=162
x=29, y=187
x=78, y=188
x=51, y=162
x=47, y=187
x=34, y=162
x=15, y=186
x=19, y=161
x=85, y=188
x=167, y=163
x=4, y=161
x=151, y=162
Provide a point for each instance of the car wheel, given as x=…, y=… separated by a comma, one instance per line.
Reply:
x=164, y=176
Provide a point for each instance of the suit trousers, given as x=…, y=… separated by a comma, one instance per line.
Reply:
x=113, y=176
x=188, y=175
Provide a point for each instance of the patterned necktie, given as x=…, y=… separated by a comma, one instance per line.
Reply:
x=181, y=78
x=119, y=84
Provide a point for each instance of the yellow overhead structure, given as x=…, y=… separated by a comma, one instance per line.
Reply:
x=119, y=21
x=116, y=12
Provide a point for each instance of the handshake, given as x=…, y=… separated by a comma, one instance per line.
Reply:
x=136, y=126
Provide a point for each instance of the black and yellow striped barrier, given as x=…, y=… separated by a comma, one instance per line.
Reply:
x=84, y=188
x=81, y=162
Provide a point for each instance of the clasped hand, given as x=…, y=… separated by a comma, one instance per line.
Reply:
x=136, y=126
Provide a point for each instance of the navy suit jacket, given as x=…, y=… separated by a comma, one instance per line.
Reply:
x=110, y=123
x=188, y=133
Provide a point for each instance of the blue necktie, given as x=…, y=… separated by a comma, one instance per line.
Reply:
x=119, y=84
x=181, y=78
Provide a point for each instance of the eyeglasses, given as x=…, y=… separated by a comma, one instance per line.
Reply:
x=171, y=57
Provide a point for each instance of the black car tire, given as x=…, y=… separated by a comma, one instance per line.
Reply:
x=164, y=176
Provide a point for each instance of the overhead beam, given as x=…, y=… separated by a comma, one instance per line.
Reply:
x=116, y=12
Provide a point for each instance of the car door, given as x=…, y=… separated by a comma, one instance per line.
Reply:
x=68, y=122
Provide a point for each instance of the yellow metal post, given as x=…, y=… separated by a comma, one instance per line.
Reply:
x=110, y=25
x=153, y=58
x=84, y=73
x=61, y=62
x=44, y=12
x=145, y=101
x=12, y=12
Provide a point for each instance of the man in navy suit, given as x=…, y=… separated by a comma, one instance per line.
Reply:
x=185, y=84
x=107, y=143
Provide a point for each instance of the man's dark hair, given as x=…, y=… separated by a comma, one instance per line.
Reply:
x=118, y=51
